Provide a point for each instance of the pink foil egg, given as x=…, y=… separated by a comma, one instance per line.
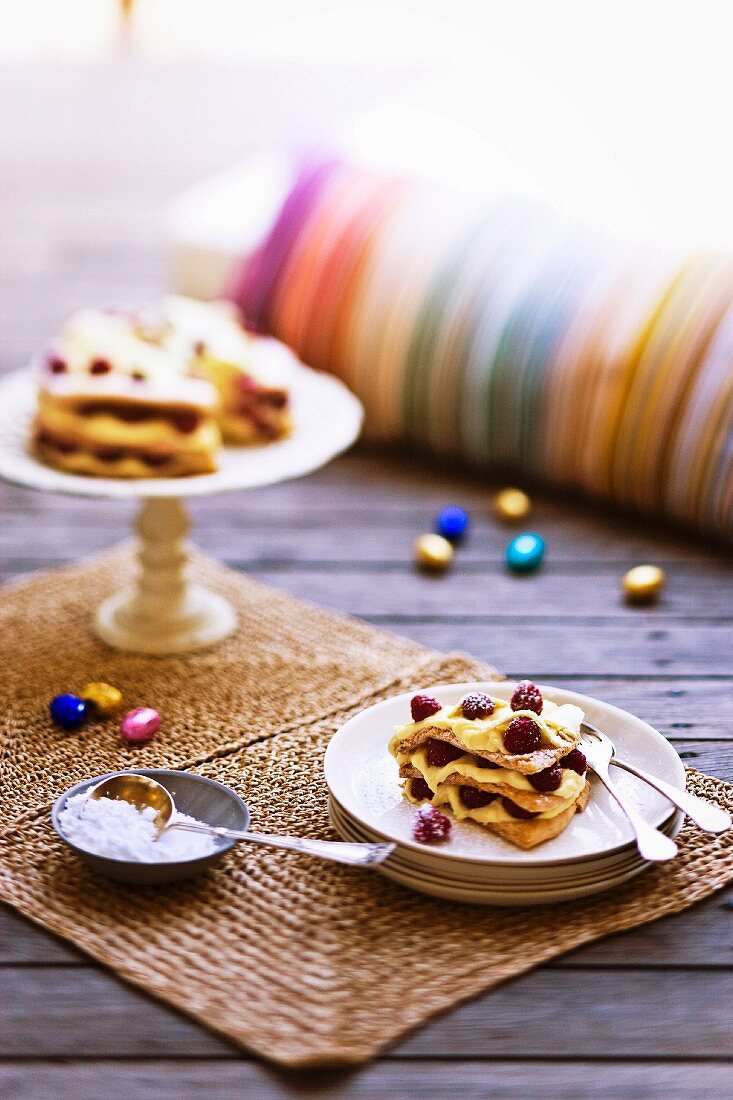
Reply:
x=140, y=724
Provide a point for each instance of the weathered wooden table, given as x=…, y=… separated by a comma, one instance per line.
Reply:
x=644, y=1014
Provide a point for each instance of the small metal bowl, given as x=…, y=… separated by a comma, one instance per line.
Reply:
x=201, y=798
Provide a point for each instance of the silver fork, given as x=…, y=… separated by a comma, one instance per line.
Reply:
x=707, y=816
x=652, y=844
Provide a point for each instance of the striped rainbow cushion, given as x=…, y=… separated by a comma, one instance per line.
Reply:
x=495, y=331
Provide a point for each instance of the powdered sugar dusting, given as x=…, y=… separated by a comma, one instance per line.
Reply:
x=118, y=830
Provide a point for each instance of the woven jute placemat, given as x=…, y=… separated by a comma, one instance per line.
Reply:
x=306, y=963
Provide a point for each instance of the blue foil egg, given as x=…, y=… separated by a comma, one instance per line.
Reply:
x=68, y=711
x=452, y=523
x=524, y=553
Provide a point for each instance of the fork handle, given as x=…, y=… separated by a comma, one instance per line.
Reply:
x=652, y=845
x=707, y=816
x=339, y=851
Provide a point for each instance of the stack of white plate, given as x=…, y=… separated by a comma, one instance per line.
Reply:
x=596, y=852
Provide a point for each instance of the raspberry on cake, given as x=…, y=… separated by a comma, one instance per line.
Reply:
x=247, y=370
x=516, y=772
x=111, y=404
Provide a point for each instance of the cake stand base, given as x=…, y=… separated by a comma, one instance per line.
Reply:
x=164, y=612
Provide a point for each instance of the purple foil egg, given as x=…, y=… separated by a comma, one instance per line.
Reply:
x=140, y=724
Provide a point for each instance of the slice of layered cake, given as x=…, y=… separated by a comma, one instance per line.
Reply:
x=152, y=394
x=113, y=402
x=513, y=767
x=248, y=371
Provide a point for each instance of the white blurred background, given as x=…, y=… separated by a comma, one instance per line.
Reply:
x=616, y=111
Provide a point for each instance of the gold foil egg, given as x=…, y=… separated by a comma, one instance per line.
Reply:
x=511, y=505
x=104, y=698
x=432, y=553
x=643, y=583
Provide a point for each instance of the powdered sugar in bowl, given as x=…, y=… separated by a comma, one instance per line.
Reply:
x=195, y=796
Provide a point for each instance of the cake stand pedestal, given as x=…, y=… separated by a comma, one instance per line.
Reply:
x=164, y=611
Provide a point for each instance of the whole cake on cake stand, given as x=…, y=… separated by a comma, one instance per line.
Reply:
x=165, y=611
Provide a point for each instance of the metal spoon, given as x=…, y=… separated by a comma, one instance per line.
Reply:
x=707, y=816
x=652, y=844
x=144, y=792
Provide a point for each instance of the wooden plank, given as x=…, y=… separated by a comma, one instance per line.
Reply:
x=711, y=757
x=22, y=942
x=490, y=595
x=632, y=1012
x=677, y=707
x=421, y=1080
x=589, y=1013
x=361, y=488
x=320, y=536
x=50, y=1012
x=469, y=593
x=549, y=650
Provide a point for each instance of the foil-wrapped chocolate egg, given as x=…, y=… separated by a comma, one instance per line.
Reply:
x=140, y=725
x=432, y=553
x=103, y=698
x=68, y=710
x=511, y=505
x=452, y=523
x=643, y=583
x=524, y=554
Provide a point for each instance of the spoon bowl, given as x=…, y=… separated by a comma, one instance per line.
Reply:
x=141, y=791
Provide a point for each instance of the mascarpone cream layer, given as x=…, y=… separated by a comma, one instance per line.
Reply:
x=571, y=786
x=493, y=812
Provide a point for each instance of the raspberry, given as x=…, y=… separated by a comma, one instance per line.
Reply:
x=56, y=365
x=527, y=696
x=422, y=706
x=474, y=799
x=430, y=825
x=99, y=366
x=576, y=761
x=419, y=789
x=477, y=705
x=517, y=811
x=186, y=422
x=440, y=753
x=482, y=763
x=522, y=735
x=547, y=780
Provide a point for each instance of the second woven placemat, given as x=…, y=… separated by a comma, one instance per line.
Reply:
x=306, y=963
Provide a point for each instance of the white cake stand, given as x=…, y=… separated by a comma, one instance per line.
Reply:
x=164, y=611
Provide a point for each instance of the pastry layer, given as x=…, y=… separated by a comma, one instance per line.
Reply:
x=467, y=771
x=524, y=834
x=143, y=425
x=118, y=461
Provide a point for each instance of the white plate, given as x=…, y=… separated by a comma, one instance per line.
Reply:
x=326, y=418
x=451, y=889
x=364, y=779
x=526, y=877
